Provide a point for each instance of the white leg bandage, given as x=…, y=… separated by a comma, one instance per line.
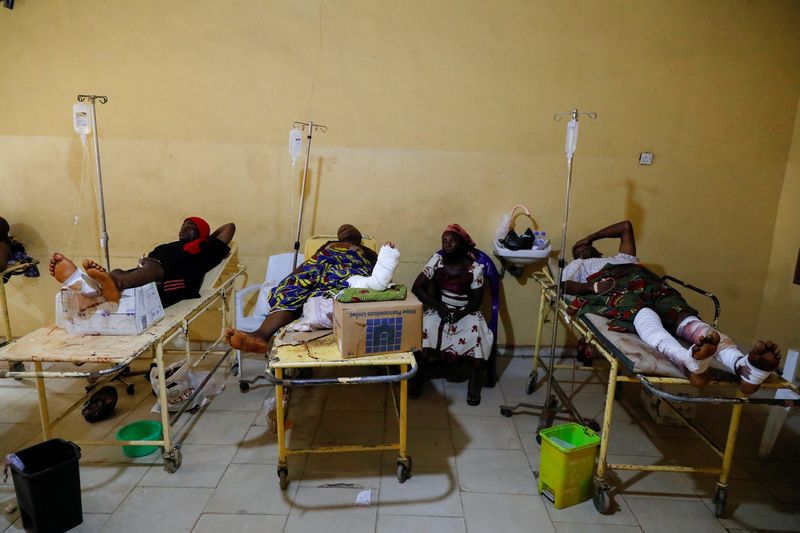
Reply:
x=80, y=282
x=651, y=331
x=381, y=277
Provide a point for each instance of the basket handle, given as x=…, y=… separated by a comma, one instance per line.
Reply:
x=525, y=211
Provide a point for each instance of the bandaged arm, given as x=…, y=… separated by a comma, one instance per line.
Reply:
x=388, y=258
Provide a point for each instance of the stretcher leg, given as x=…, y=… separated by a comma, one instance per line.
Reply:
x=403, y=460
x=721, y=494
x=601, y=488
x=171, y=455
x=283, y=470
x=44, y=413
x=534, y=376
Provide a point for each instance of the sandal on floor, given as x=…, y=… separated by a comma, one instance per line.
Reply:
x=474, y=399
x=100, y=405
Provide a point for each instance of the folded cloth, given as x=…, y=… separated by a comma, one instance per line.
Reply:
x=396, y=292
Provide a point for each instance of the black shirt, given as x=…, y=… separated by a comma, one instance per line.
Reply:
x=184, y=272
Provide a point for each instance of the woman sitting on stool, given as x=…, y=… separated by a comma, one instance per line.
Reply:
x=450, y=287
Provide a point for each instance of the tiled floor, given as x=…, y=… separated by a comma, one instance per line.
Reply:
x=474, y=470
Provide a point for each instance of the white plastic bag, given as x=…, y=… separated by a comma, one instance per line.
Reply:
x=181, y=384
x=317, y=314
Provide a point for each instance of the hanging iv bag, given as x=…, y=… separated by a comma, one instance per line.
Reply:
x=81, y=120
x=572, y=138
x=295, y=144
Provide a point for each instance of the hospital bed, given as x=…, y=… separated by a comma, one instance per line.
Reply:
x=632, y=361
x=51, y=344
x=322, y=355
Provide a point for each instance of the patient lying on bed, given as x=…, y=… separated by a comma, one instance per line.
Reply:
x=335, y=266
x=178, y=268
x=636, y=300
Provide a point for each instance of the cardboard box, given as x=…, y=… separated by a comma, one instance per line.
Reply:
x=660, y=412
x=137, y=310
x=372, y=328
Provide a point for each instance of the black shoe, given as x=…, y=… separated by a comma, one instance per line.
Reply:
x=474, y=399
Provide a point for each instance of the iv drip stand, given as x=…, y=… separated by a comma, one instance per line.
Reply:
x=103, y=230
x=550, y=409
x=311, y=128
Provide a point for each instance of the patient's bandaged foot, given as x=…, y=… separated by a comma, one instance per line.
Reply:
x=762, y=360
x=388, y=258
x=71, y=277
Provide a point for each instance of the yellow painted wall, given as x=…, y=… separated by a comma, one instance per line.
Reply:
x=780, y=306
x=438, y=111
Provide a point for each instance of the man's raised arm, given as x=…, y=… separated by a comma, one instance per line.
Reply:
x=621, y=230
x=224, y=232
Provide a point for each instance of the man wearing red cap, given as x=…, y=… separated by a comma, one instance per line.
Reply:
x=177, y=267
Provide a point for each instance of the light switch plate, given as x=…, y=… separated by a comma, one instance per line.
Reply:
x=646, y=158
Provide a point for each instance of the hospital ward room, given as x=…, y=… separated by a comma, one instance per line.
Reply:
x=397, y=266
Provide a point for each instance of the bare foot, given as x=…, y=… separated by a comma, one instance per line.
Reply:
x=90, y=264
x=108, y=285
x=61, y=267
x=706, y=345
x=764, y=356
x=248, y=342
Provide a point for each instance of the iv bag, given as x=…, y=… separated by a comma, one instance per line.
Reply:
x=82, y=119
x=572, y=138
x=295, y=144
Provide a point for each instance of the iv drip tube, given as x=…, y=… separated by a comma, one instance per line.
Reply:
x=101, y=200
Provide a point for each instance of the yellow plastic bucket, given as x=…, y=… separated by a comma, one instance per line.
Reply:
x=567, y=463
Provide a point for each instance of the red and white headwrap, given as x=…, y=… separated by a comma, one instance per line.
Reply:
x=455, y=228
x=193, y=247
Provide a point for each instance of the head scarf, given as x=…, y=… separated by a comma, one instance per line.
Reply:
x=193, y=247
x=455, y=228
x=348, y=233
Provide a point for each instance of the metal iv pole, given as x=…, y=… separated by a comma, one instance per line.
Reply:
x=311, y=128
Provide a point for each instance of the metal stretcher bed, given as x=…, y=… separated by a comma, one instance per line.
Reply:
x=52, y=344
x=324, y=353
x=627, y=354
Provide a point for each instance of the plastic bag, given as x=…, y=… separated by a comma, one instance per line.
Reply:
x=181, y=384
x=317, y=314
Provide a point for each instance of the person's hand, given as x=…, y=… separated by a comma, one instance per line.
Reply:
x=442, y=310
x=586, y=241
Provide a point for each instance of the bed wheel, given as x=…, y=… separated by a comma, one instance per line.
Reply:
x=173, y=463
x=600, y=498
x=283, y=478
x=720, y=497
x=403, y=470
x=244, y=386
x=532, y=380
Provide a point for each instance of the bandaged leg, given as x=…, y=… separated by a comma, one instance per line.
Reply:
x=752, y=369
x=650, y=329
x=73, y=277
x=388, y=258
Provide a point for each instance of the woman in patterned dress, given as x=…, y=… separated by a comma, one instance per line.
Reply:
x=450, y=287
x=323, y=274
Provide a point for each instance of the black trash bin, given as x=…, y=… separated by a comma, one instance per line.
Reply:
x=48, y=486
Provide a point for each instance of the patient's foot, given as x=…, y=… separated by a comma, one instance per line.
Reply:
x=764, y=356
x=61, y=267
x=90, y=264
x=706, y=345
x=243, y=340
x=108, y=285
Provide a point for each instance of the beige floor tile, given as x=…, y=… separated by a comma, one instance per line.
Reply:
x=495, y=471
x=595, y=528
x=332, y=510
x=780, y=477
x=92, y=523
x=416, y=524
x=630, y=439
x=431, y=491
x=428, y=413
x=585, y=513
x=427, y=447
x=631, y=484
x=240, y=523
x=363, y=428
x=14, y=437
x=357, y=398
x=669, y=516
x=202, y=467
x=158, y=509
x=532, y=449
x=218, y=427
x=253, y=489
x=260, y=446
x=360, y=469
x=104, y=487
x=485, y=432
x=232, y=399
x=491, y=400
x=501, y=513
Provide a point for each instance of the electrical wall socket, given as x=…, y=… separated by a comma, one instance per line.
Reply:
x=646, y=158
